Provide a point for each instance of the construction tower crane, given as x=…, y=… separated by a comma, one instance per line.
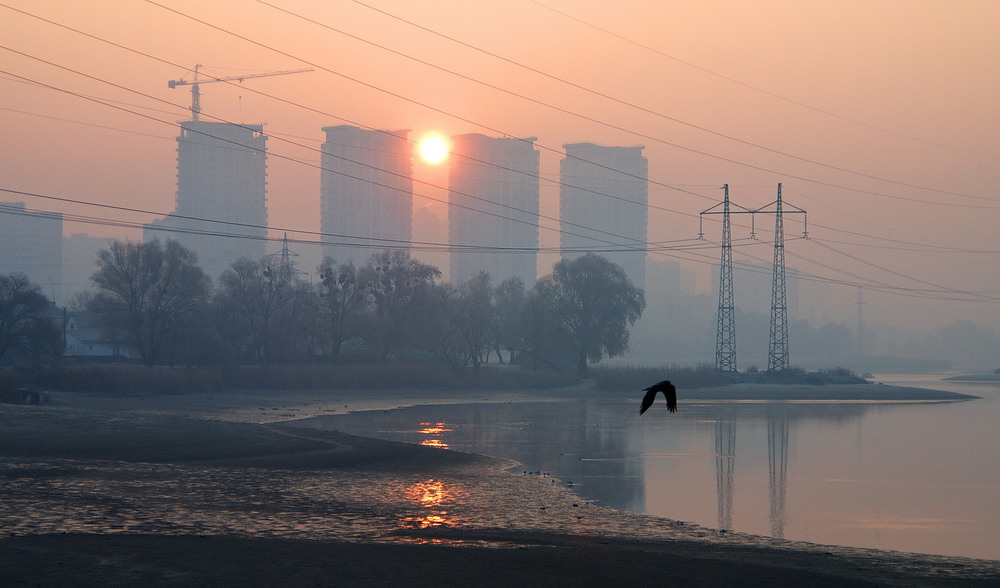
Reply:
x=196, y=90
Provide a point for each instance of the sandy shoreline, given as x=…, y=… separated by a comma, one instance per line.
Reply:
x=113, y=490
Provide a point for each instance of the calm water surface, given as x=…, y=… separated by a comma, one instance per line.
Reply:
x=909, y=477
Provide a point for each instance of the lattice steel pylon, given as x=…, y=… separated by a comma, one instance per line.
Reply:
x=725, y=335
x=777, y=352
x=284, y=261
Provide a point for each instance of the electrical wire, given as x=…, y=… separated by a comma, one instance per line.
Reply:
x=539, y=226
x=176, y=65
x=639, y=245
x=376, y=242
x=757, y=88
x=485, y=126
x=592, y=92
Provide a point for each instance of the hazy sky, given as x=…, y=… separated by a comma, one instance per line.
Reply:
x=879, y=118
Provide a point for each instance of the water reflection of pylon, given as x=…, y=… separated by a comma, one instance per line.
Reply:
x=725, y=468
x=777, y=462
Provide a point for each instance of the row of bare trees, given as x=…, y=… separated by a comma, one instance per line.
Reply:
x=155, y=297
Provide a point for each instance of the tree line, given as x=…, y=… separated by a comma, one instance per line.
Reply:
x=154, y=297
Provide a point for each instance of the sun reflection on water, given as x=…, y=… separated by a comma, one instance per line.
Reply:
x=434, y=430
x=434, y=495
x=429, y=493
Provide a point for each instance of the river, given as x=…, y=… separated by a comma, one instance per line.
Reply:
x=917, y=477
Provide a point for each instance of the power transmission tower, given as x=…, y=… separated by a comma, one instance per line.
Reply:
x=725, y=335
x=777, y=353
x=284, y=260
x=861, y=322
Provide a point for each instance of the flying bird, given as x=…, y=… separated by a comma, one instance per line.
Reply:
x=668, y=390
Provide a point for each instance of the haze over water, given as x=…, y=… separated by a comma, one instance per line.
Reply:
x=908, y=477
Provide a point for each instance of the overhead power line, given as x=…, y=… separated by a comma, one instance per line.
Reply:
x=298, y=105
x=231, y=123
x=859, y=281
x=375, y=242
x=596, y=93
x=638, y=245
x=328, y=114
x=757, y=88
x=492, y=129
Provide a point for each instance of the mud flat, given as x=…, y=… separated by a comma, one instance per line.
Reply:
x=114, y=491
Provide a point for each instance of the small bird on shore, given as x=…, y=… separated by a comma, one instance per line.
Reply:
x=668, y=390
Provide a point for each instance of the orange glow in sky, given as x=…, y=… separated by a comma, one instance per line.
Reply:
x=880, y=119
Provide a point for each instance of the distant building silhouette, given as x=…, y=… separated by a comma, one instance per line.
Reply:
x=221, y=211
x=666, y=275
x=31, y=244
x=366, y=192
x=602, y=198
x=493, y=217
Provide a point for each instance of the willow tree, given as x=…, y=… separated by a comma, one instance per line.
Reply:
x=594, y=303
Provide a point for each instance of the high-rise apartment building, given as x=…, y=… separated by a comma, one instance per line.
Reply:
x=221, y=209
x=31, y=244
x=602, y=205
x=493, y=217
x=366, y=200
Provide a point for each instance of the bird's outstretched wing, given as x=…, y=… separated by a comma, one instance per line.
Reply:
x=668, y=391
x=671, y=393
x=648, y=399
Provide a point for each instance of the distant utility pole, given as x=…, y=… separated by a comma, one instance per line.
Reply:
x=285, y=265
x=861, y=322
x=725, y=336
x=777, y=353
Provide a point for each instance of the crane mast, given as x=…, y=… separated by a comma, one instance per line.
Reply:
x=196, y=84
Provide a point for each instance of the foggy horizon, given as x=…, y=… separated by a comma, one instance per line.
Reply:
x=880, y=121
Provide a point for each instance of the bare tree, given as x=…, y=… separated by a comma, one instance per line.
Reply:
x=256, y=293
x=302, y=335
x=457, y=322
x=477, y=314
x=344, y=296
x=440, y=324
x=509, y=300
x=145, y=289
x=393, y=279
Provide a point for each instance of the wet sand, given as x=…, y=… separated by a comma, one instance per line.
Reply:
x=214, y=489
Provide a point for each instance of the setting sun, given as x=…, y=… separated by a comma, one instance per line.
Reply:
x=433, y=149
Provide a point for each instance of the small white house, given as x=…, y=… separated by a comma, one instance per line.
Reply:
x=85, y=338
